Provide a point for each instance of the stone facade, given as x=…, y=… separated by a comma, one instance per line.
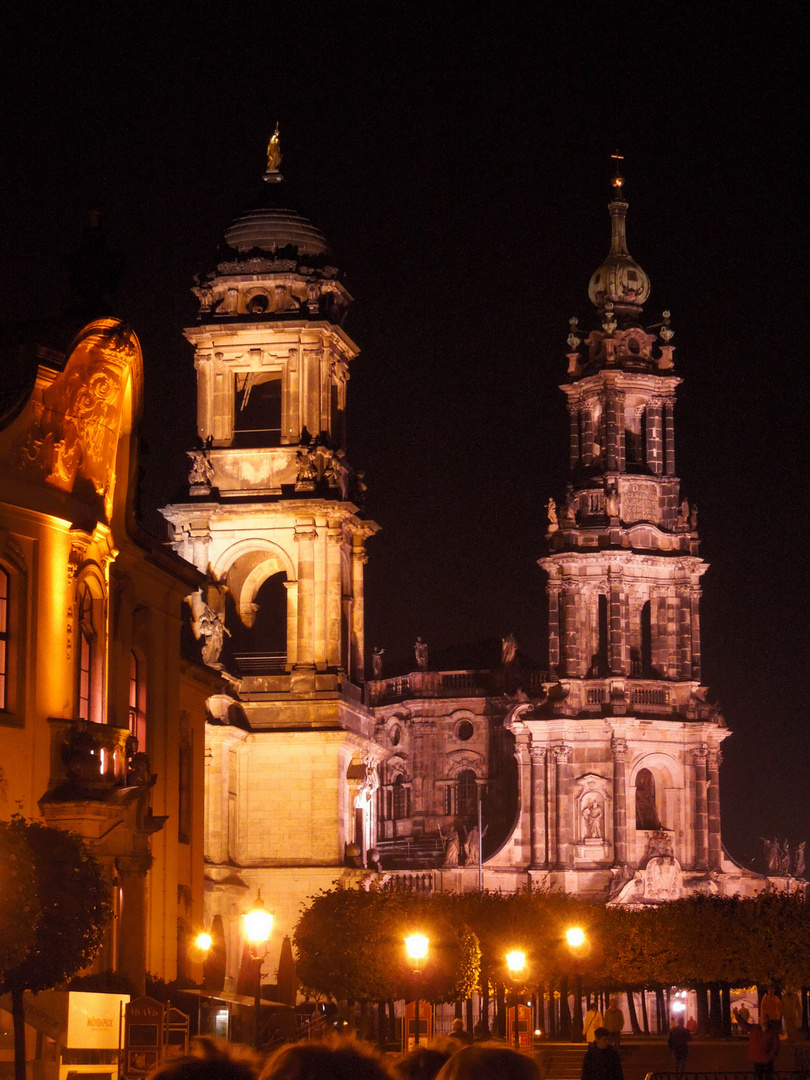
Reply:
x=599, y=776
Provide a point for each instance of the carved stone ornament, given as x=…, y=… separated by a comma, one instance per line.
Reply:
x=76, y=423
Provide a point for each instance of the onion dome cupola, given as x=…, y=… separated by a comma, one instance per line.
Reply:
x=273, y=262
x=619, y=281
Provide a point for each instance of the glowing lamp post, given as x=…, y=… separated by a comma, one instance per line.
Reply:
x=575, y=937
x=416, y=947
x=258, y=926
x=516, y=961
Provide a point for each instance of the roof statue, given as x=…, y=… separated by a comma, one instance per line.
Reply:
x=273, y=153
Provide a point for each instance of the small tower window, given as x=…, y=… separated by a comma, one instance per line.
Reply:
x=258, y=410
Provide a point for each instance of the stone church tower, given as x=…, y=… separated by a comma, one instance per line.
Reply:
x=291, y=764
x=620, y=762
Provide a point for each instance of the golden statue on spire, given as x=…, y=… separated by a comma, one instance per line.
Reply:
x=273, y=152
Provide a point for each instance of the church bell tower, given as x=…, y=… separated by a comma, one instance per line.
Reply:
x=622, y=758
x=272, y=518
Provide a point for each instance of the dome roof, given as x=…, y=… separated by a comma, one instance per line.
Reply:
x=269, y=228
x=619, y=280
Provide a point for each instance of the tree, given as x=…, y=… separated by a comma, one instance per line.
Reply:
x=68, y=930
x=19, y=906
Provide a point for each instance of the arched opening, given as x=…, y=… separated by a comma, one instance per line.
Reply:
x=600, y=658
x=646, y=808
x=260, y=649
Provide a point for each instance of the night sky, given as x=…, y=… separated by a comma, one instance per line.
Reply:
x=459, y=165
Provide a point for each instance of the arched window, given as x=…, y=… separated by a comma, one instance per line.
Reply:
x=646, y=810
x=88, y=696
x=400, y=799
x=466, y=794
x=137, y=698
x=4, y=595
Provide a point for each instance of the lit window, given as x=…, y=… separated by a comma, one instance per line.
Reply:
x=137, y=699
x=89, y=675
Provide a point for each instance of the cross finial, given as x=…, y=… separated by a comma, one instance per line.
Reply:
x=618, y=179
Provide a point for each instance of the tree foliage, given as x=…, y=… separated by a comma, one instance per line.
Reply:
x=19, y=905
x=67, y=927
x=350, y=942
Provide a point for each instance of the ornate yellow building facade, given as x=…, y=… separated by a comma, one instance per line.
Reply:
x=101, y=717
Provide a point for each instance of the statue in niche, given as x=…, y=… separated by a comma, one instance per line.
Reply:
x=202, y=471
x=693, y=517
x=551, y=509
x=646, y=810
x=452, y=845
x=420, y=650
x=570, y=511
x=612, y=502
x=799, y=865
x=377, y=662
x=771, y=853
x=593, y=819
x=508, y=650
x=472, y=845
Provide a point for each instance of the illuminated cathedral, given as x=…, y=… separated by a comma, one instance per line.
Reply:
x=209, y=717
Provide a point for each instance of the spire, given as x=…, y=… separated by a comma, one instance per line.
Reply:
x=271, y=174
x=619, y=281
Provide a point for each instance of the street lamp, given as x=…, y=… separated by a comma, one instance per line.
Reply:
x=258, y=925
x=416, y=947
x=516, y=961
x=203, y=942
x=575, y=936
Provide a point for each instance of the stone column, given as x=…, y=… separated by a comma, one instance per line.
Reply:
x=553, y=592
x=538, y=825
x=357, y=632
x=523, y=755
x=715, y=841
x=571, y=646
x=573, y=435
x=586, y=448
x=694, y=598
x=132, y=871
x=654, y=441
x=684, y=635
x=552, y=815
x=305, y=653
x=619, y=750
x=669, y=439
x=562, y=755
x=701, y=809
x=614, y=431
x=334, y=597
x=292, y=623
x=615, y=663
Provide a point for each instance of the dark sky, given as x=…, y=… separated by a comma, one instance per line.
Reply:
x=458, y=163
